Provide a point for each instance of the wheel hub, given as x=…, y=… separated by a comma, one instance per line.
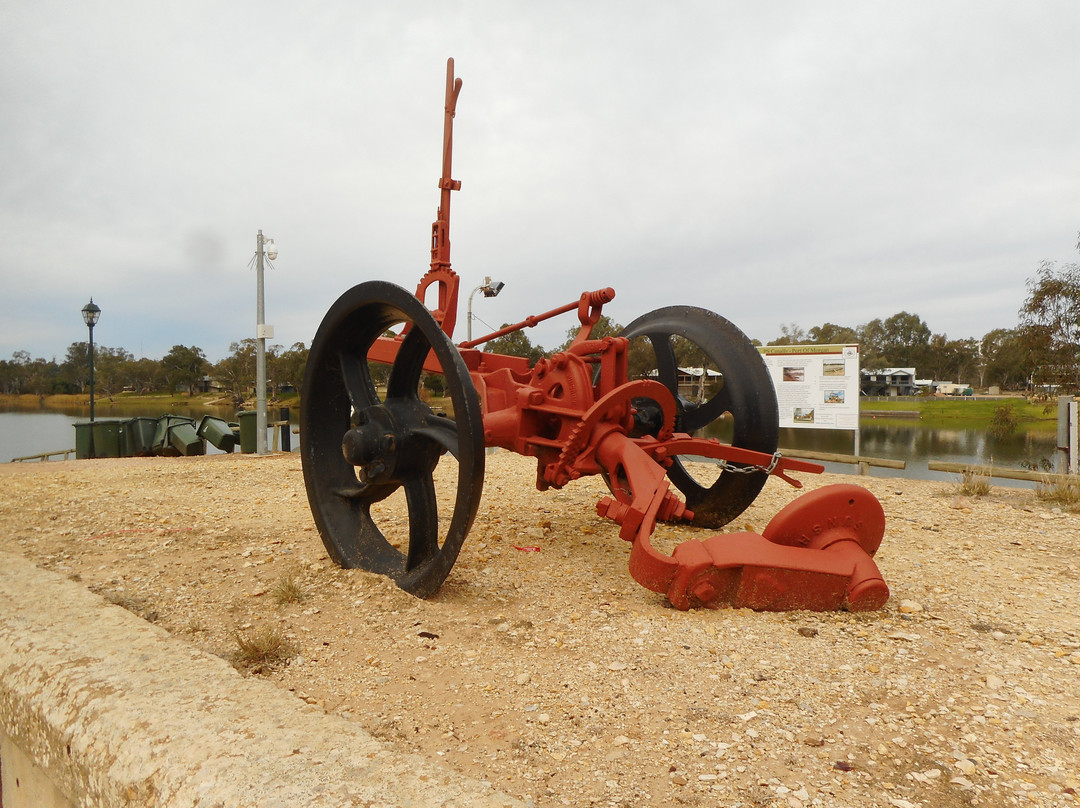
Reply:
x=371, y=446
x=383, y=446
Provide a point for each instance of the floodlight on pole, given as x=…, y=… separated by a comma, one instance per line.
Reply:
x=490, y=290
x=91, y=313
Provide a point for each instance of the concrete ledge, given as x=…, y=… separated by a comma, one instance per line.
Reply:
x=114, y=711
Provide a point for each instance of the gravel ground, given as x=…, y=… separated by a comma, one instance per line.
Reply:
x=543, y=668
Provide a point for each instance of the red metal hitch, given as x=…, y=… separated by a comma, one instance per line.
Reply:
x=613, y=406
x=815, y=554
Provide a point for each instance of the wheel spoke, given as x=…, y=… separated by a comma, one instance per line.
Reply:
x=442, y=430
x=667, y=370
x=423, y=520
x=409, y=364
x=366, y=494
x=698, y=416
x=357, y=378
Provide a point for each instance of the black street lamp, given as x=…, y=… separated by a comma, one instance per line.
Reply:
x=90, y=314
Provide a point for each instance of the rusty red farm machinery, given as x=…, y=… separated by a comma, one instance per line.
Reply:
x=369, y=436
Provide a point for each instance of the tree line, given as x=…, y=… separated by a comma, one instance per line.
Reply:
x=1042, y=349
x=1003, y=357
x=182, y=368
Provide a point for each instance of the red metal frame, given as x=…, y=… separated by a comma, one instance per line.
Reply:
x=815, y=554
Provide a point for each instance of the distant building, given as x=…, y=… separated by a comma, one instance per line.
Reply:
x=206, y=384
x=889, y=382
x=694, y=383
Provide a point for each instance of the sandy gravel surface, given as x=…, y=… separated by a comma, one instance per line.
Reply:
x=550, y=673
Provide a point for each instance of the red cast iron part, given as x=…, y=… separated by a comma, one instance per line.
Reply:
x=578, y=413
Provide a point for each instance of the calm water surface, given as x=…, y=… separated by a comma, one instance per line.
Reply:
x=920, y=445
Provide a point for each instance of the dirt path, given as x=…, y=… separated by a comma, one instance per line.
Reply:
x=553, y=675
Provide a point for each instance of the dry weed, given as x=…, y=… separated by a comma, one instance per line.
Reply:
x=1060, y=492
x=973, y=483
x=262, y=648
x=288, y=590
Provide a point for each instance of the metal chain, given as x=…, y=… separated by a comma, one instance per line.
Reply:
x=726, y=466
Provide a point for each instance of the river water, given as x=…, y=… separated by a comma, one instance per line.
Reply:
x=918, y=445
x=27, y=433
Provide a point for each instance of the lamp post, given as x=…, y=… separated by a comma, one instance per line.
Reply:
x=91, y=313
x=264, y=246
x=490, y=290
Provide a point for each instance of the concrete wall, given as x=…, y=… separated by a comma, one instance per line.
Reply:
x=100, y=708
x=22, y=782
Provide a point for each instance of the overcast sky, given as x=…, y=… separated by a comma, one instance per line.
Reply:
x=781, y=162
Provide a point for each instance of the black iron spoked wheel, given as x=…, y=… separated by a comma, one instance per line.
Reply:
x=359, y=449
x=742, y=393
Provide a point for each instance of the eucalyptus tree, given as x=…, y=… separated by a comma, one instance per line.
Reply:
x=516, y=343
x=237, y=370
x=1006, y=359
x=184, y=366
x=289, y=366
x=1050, y=323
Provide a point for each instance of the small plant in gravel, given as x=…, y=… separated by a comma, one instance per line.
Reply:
x=1060, y=492
x=288, y=590
x=973, y=483
x=262, y=648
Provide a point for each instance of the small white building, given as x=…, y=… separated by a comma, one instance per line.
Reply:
x=694, y=383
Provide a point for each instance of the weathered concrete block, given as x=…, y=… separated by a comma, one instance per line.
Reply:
x=116, y=712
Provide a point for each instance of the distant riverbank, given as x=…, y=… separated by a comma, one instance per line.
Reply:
x=970, y=412
x=934, y=412
x=127, y=403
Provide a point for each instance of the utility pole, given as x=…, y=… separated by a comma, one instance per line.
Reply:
x=262, y=331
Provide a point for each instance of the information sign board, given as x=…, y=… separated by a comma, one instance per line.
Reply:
x=817, y=386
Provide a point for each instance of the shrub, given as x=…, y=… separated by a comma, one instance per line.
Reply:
x=1004, y=421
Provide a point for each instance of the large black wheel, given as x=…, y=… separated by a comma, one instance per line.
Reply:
x=370, y=459
x=737, y=402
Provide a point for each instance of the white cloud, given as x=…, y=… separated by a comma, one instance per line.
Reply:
x=780, y=163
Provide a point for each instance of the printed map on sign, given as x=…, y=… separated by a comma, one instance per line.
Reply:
x=817, y=386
